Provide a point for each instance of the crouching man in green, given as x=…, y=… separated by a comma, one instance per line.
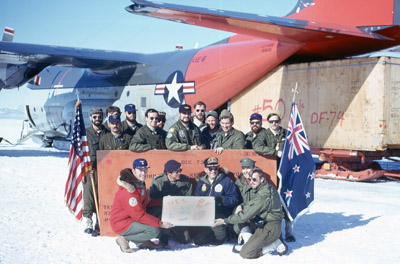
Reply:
x=264, y=215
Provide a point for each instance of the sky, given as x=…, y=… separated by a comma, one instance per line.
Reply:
x=348, y=222
x=105, y=24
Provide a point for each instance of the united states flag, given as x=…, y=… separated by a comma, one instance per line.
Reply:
x=78, y=164
x=297, y=169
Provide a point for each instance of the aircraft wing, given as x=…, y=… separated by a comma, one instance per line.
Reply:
x=263, y=26
x=320, y=40
x=19, y=61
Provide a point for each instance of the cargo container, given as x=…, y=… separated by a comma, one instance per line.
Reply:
x=350, y=108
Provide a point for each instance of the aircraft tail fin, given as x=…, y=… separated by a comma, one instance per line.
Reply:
x=8, y=34
x=348, y=12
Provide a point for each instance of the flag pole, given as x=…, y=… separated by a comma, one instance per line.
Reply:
x=294, y=91
x=91, y=179
x=95, y=197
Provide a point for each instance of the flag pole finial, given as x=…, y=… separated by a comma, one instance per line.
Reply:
x=295, y=91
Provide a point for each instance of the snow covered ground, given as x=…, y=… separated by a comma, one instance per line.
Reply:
x=348, y=222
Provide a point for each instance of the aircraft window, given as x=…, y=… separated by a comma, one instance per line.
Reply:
x=116, y=94
x=143, y=102
x=127, y=94
x=41, y=109
x=34, y=109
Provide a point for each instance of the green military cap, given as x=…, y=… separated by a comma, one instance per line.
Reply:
x=246, y=162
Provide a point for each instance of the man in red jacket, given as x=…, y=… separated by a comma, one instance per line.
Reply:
x=128, y=213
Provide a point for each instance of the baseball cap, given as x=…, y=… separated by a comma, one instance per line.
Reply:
x=140, y=164
x=130, y=108
x=114, y=118
x=95, y=110
x=211, y=162
x=185, y=108
x=255, y=116
x=172, y=165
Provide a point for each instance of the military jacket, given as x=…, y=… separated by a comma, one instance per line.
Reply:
x=266, y=204
x=209, y=140
x=180, y=138
x=246, y=192
x=161, y=186
x=233, y=140
x=145, y=139
x=93, y=138
x=107, y=142
x=265, y=143
x=131, y=130
x=250, y=139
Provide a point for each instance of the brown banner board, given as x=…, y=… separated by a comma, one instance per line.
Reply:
x=110, y=163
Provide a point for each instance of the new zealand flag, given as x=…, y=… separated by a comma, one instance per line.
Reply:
x=297, y=168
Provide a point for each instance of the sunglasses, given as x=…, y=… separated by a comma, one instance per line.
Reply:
x=152, y=118
x=131, y=113
x=200, y=110
x=274, y=121
x=97, y=117
x=177, y=171
x=213, y=168
x=255, y=122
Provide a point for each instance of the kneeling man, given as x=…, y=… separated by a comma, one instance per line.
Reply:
x=128, y=213
x=264, y=215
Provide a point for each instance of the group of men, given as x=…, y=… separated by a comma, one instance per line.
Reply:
x=250, y=204
x=202, y=130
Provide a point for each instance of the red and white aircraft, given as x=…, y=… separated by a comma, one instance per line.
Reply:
x=314, y=30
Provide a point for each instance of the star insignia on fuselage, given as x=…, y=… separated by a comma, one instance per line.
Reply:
x=174, y=89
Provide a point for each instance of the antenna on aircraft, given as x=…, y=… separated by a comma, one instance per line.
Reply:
x=178, y=47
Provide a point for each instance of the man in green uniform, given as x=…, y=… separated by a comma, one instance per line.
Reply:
x=149, y=136
x=270, y=141
x=184, y=135
x=245, y=190
x=116, y=140
x=256, y=130
x=130, y=125
x=229, y=137
x=93, y=134
x=173, y=183
x=264, y=215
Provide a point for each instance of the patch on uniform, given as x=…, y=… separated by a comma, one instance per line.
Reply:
x=204, y=187
x=169, y=135
x=181, y=133
x=171, y=130
x=218, y=188
x=132, y=202
x=142, y=193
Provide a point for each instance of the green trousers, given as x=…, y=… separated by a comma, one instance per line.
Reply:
x=89, y=206
x=261, y=237
x=139, y=233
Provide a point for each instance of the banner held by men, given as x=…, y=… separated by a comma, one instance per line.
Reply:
x=78, y=164
x=297, y=168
